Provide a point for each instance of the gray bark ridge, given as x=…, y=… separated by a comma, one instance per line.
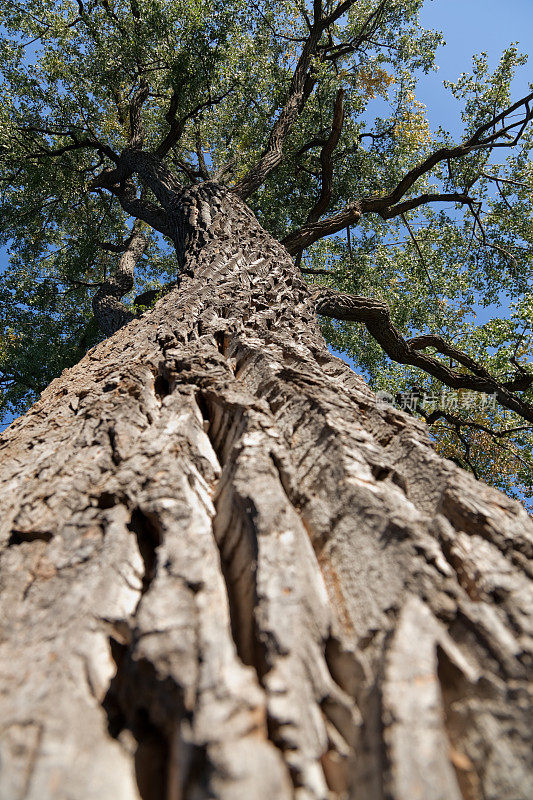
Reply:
x=227, y=572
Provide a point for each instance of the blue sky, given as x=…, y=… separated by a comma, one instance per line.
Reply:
x=469, y=26
x=472, y=26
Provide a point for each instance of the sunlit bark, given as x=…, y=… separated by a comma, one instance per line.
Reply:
x=229, y=573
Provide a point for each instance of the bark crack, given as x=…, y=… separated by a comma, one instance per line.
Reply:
x=237, y=526
x=148, y=534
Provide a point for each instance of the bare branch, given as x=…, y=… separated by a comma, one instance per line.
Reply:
x=475, y=142
x=222, y=171
x=475, y=209
x=316, y=141
x=439, y=413
x=189, y=170
x=109, y=247
x=14, y=378
x=77, y=143
x=421, y=258
x=497, y=179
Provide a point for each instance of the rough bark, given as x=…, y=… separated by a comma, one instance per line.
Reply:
x=228, y=573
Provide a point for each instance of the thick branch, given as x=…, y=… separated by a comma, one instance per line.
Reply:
x=140, y=208
x=147, y=298
x=151, y=170
x=154, y=174
x=300, y=88
x=475, y=142
x=149, y=212
x=136, y=126
x=415, y=202
x=110, y=313
x=114, y=248
x=302, y=85
x=312, y=232
x=377, y=319
x=519, y=383
x=325, y=160
x=177, y=125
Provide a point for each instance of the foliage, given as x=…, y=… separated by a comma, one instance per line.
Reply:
x=71, y=71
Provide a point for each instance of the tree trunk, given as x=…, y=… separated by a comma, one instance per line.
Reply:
x=228, y=573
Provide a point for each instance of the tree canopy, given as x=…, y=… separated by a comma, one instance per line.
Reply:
x=415, y=229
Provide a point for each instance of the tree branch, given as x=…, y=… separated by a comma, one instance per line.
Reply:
x=136, y=126
x=497, y=180
x=475, y=142
x=389, y=205
x=369, y=205
x=439, y=413
x=154, y=174
x=110, y=313
x=312, y=232
x=333, y=52
x=143, y=209
x=202, y=166
x=376, y=317
x=301, y=86
x=325, y=160
x=77, y=143
x=148, y=297
x=177, y=125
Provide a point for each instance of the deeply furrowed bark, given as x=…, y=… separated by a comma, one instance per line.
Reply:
x=228, y=573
